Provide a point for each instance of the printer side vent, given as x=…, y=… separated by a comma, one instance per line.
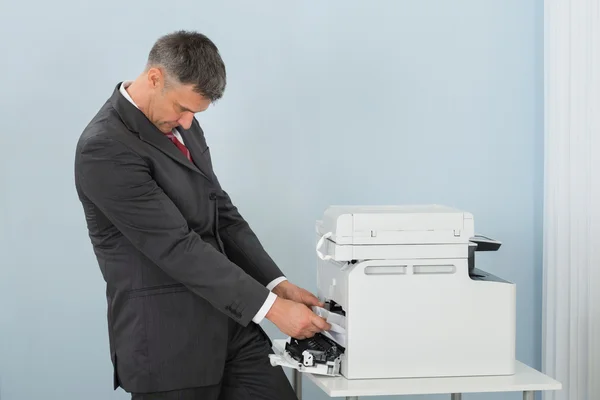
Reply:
x=410, y=269
x=386, y=270
x=434, y=269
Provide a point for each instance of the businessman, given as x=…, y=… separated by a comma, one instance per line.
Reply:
x=187, y=280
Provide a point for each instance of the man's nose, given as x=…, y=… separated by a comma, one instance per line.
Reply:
x=186, y=120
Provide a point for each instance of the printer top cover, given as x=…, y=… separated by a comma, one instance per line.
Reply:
x=406, y=224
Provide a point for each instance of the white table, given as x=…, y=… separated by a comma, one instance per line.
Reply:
x=525, y=379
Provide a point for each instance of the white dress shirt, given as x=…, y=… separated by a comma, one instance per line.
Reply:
x=260, y=315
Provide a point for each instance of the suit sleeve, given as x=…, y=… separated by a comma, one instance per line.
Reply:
x=119, y=183
x=241, y=243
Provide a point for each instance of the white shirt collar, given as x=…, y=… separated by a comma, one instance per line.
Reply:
x=122, y=88
x=124, y=85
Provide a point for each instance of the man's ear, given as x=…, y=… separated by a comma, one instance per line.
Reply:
x=156, y=78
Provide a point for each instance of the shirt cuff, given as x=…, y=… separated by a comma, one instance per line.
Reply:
x=260, y=315
x=276, y=282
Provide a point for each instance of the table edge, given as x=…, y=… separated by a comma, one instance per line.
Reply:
x=552, y=385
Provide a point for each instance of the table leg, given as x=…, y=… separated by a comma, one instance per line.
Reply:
x=456, y=396
x=297, y=376
x=351, y=398
x=530, y=395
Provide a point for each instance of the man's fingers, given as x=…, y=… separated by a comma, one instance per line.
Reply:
x=321, y=323
x=312, y=301
x=309, y=299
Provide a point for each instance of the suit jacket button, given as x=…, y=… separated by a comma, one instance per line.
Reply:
x=212, y=196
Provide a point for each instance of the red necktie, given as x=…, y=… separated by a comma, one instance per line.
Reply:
x=179, y=145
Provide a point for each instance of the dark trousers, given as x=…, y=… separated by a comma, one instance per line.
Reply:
x=248, y=373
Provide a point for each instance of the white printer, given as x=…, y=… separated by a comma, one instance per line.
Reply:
x=404, y=298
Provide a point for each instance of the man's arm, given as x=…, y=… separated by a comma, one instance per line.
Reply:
x=119, y=183
x=243, y=247
x=241, y=243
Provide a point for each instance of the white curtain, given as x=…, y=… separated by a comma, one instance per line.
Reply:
x=571, y=303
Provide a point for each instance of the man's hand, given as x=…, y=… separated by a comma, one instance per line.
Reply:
x=292, y=292
x=295, y=319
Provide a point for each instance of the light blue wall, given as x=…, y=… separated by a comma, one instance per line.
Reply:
x=328, y=102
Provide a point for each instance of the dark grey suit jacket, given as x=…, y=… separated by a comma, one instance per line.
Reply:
x=178, y=259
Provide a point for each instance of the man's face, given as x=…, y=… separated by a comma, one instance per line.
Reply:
x=174, y=105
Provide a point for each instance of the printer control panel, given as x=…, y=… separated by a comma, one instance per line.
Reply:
x=485, y=243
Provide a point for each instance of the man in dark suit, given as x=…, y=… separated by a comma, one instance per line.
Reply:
x=187, y=281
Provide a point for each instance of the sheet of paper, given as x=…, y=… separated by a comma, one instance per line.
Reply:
x=334, y=319
x=337, y=333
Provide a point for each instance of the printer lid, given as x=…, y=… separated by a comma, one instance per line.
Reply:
x=396, y=224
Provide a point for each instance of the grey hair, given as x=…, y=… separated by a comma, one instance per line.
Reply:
x=191, y=58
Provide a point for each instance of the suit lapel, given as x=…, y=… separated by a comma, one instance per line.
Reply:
x=164, y=144
x=137, y=122
x=194, y=142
